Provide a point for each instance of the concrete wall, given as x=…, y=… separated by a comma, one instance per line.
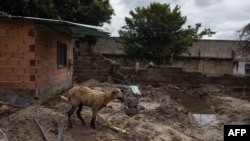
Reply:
x=222, y=49
x=175, y=75
x=213, y=57
x=202, y=48
x=211, y=66
x=109, y=46
x=28, y=58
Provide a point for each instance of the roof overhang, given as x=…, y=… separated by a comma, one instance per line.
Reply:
x=76, y=30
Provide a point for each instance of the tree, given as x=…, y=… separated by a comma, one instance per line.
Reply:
x=33, y=8
x=244, y=35
x=155, y=33
x=93, y=12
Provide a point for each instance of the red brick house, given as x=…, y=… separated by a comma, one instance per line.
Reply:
x=36, y=55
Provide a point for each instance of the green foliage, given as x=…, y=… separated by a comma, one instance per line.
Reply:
x=155, y=33
x=33, y=8
x=93, y=12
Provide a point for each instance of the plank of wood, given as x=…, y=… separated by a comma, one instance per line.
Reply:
x=60, y=132
x=41, y=130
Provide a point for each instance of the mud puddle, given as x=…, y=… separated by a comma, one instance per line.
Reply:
x=199, y=108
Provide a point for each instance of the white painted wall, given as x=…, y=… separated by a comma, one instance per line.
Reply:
x=240, y=68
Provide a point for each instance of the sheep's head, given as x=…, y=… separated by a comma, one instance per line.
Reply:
x=116, y=93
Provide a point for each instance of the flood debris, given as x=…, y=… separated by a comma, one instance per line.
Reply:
x=60, y=133
x=7, y=108
x=3, y=136
x=108, y=124
x=41, y=130
x=131, y=99
x=11, y=105
x=121, y=128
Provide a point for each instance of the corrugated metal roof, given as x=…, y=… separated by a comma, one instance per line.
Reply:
x=76, y=30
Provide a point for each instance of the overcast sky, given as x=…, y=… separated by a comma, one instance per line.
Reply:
x=223, y=16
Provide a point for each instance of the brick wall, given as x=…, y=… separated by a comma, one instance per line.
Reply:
x=91, y=66
x=51, y=79
x=28, y=58
x=15, y=55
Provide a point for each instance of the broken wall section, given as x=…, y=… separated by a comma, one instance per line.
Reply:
x=176, y=75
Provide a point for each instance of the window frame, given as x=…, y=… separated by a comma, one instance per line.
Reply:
x=247, y=69
x=61, y=55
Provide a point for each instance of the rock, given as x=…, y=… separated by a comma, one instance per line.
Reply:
x=4, y=109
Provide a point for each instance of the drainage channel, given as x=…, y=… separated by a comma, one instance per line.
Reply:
x=199, y=108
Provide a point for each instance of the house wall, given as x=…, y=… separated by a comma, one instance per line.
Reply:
x=239, y=67
x=51, y=79
x=28, y=59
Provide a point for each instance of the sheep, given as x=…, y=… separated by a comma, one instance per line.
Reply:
x=80, y=96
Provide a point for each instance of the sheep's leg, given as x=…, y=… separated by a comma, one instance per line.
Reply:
x=79, y=113
x=93, y=120
x=71, y=111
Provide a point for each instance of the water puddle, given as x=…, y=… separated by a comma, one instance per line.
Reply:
x=205, y=119
x=199, y=108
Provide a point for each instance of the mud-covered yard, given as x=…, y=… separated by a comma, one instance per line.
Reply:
x=165, y=116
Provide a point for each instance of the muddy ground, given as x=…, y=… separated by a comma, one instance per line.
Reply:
x=165, y=116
